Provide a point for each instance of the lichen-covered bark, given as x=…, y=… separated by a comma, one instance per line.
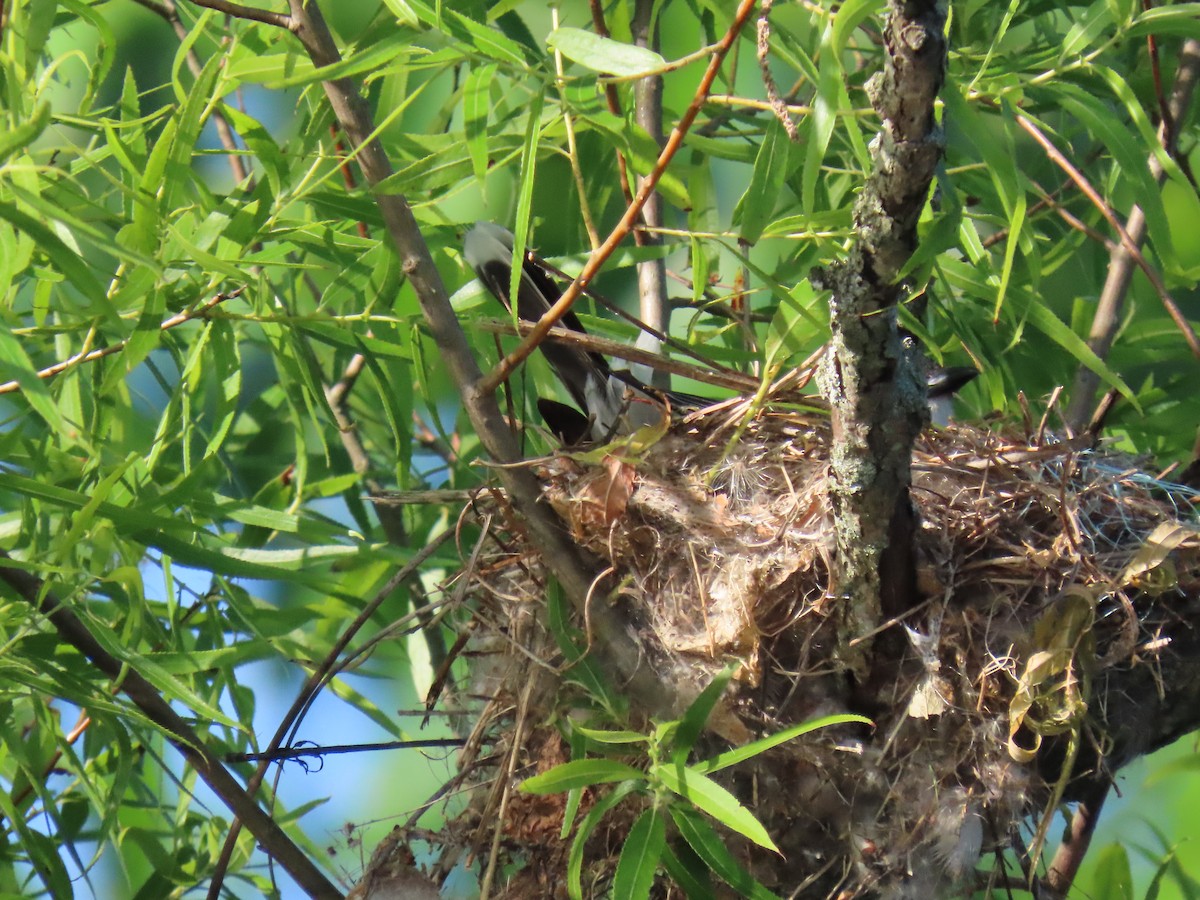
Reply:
x=876, y=397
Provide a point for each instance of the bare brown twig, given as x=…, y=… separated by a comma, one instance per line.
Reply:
x=304, y=698
x=1127, y=242
x=777, y=104
x=613, y=100
x=279, y=20
x=734, y=381
x=167, y=10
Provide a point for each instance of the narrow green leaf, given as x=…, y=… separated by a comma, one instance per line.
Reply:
x=261, y=143
x=1015, y=222
x=1182, y=20
x=582, y=668
x=16, y=366
x=1113, y=879
x=242, y=651
x=1130, y=156
x=34, y=22
x=575, y=795
x=603, y=736
x=639, y=857
x=173, y=689
x=992, y=140
x=147, y=224
x=707, y=795
x=1054, y=328
x=65, y=259
x=192, y=116
x=525, y=182
x=1165, y=865
x=754, y=748
x=693, y=721
x=338, y=335
x=643, y=152
x=105, y=43
x=766, y=182
x=487, y=41
x=819, y=125
x=269, y=69
x=849, y=16
x=403, y=12
x=712, y=851
x=586, y=827
x=477, y=104
x=188, y=543
x=147, y=333
x=786, y=338
x=689, y=874
x=581, y=773
x=374, y=58
x=601, y=54
x=1094, y=22
x=227, y=372
x=53, y=208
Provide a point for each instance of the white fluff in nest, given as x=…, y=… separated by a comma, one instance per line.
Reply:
x=957, y=833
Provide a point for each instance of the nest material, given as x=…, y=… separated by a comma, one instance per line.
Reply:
x=1042, y=567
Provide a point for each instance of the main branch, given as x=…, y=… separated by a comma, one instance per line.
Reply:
x=877, y=401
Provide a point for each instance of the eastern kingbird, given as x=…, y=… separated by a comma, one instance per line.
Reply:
x=613, y=401
x=943, y=384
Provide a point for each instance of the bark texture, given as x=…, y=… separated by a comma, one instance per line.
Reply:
x=876, y=396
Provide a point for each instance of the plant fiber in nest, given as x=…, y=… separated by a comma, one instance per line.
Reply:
x=1048, y=572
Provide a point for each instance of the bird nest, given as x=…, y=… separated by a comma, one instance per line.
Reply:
x=1046, y=570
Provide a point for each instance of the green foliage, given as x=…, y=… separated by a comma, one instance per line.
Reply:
x=669, y=788
x=188, y=491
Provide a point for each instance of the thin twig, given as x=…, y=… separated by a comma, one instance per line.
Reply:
x=320, y=676
x=317, y=680
x=763, y=51
x=613, y=100
x=421, y=498
x=510, y=767
x=169, y=11
x=279, y=20
x=1127, y=242
x=162, y=10
x=645, y=327
x=88, y=356
x=585, y=207
x=336, y=749
x=734, y=381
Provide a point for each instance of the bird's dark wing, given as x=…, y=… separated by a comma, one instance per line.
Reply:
x=587, y=376
x=950, y=380
x=943, y=384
